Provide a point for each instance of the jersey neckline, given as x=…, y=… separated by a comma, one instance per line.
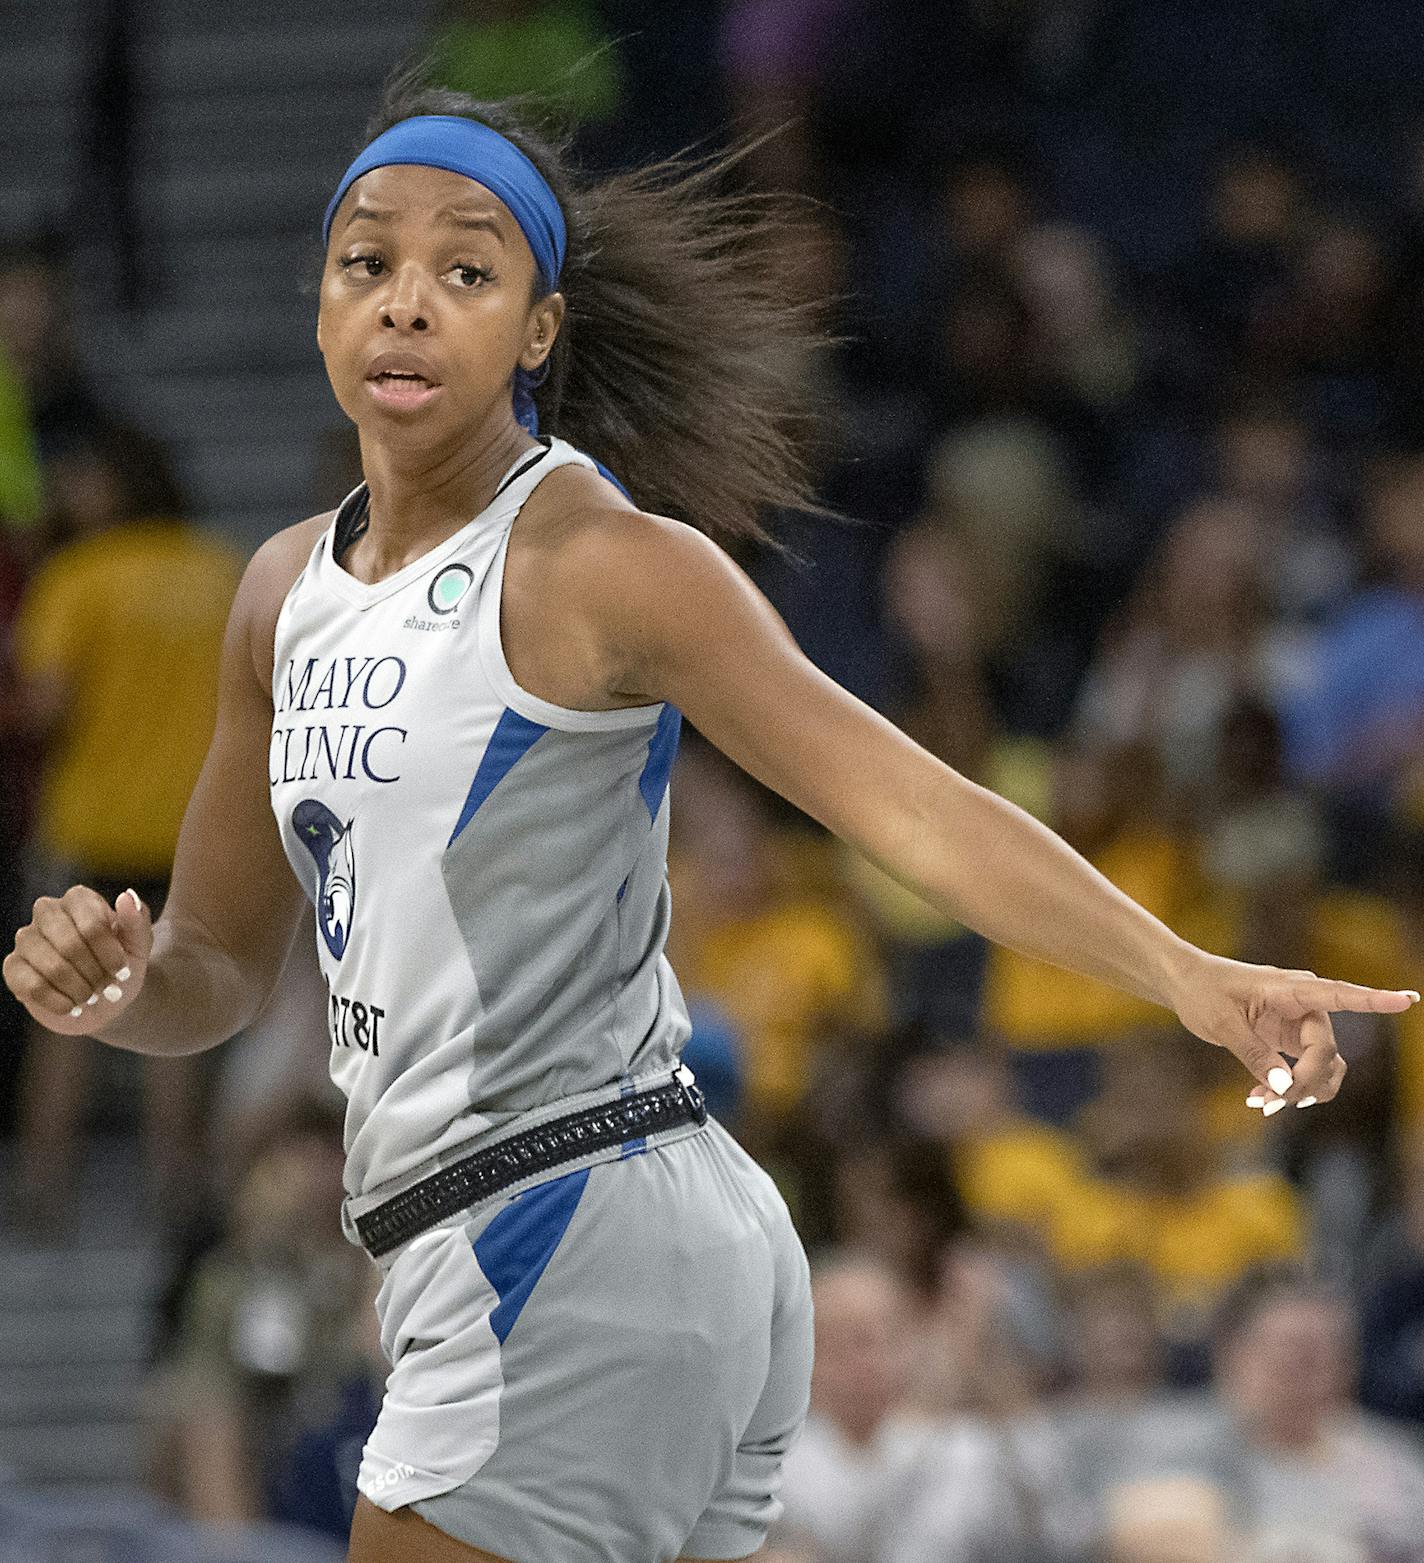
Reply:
x=365, y=594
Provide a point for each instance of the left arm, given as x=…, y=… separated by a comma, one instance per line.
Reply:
x=682, y=623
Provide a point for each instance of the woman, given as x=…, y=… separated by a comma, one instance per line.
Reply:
x=465, y=727
x=96, y=642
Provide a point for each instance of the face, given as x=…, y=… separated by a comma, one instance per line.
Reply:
x=1264, y=458
x=1114, y=1342
x=1256, y=200
x=284, y=1200
x=1210, y=566
x=29, y=323
x=1395, y=522
x=1061, y=269
x=1292, y=1365
x=930, y=592
x=724, y=828
x=427, y=308
x=87, y=492
x=950, y=1095
x=987, y=208
x=861, y=1325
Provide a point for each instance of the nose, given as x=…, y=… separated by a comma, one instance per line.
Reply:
x=403, y=308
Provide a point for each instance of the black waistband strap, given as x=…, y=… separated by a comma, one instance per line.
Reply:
x=541, y=1149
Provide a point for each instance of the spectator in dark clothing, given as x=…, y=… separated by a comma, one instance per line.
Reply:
x=35, y=316
x=1323, y=330
x=1213, y=296
x=1392, y=1306
x=313, y=1483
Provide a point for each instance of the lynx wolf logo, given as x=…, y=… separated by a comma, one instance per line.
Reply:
x=329, y=842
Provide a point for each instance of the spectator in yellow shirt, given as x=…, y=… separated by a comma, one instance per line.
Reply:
x=1155, y=1193
x=1140, y=1185
x=1105, y=804
x=1012, y=1171
x=117, y=646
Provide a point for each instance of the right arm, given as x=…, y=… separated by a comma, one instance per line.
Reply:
x=211, y=961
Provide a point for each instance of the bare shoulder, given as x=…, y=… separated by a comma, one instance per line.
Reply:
x=281, y=559
x=586, y=575
x=630, y=593
x=269, y=577
x=593, y=539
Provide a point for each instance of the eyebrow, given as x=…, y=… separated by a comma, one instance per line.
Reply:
x=371, y=213
x=467, y=219
x=459, y=217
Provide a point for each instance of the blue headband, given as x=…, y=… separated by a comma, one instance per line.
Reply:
x=464, y=146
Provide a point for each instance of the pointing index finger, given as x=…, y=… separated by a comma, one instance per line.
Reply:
x=1323, y=993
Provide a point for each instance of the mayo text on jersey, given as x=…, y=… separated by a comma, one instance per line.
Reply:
x=373, y=681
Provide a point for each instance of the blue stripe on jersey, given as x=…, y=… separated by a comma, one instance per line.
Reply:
x=636, y=1146
x=662, y=747
x=514, y=1250
x=512, y=739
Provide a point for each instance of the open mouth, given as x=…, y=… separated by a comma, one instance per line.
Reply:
x=402, y=387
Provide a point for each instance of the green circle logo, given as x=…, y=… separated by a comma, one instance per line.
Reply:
x=448, y=589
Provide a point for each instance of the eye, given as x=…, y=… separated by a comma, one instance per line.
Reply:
x=372, y=263
x=471, y=276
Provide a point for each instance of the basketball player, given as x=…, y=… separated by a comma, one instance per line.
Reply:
x=459, y=695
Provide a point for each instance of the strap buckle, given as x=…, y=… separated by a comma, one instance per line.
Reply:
x=692, y=1093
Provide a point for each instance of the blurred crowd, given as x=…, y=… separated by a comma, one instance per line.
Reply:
x=1128, y=312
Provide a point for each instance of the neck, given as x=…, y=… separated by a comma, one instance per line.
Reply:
x=420, y=497
x=859, y=1431
x=1298, y=1435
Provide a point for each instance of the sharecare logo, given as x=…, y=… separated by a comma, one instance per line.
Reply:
x=449, y=587
x=399, y=1472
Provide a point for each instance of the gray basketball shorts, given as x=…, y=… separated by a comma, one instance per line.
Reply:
x=606, y=1368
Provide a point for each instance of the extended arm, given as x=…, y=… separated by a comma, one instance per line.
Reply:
x=692, y=629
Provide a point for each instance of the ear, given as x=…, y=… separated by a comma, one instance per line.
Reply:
x=544, y=321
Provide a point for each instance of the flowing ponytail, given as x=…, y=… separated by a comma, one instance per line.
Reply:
x=683, y=363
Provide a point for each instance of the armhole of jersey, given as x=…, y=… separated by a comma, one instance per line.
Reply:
x=313, y=562
x=545, y=712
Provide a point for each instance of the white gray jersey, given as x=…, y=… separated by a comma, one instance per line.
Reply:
x=489, y=870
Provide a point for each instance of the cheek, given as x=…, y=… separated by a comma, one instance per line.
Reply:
x=339, y=344
x=328, y=326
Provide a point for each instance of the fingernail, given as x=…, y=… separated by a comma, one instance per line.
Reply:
x=1255, y=1101
x=1271, y=1107
x=76, y=1012
x=122, y=974
x=113, y=993
x=1306, y=1101
x=133, y=896
x=1409, y=993
x=92, y=999
x=1279, y=1080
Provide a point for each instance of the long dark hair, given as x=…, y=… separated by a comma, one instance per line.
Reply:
x=683, y=360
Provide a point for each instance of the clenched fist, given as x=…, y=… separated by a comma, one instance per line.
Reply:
x=79, y=963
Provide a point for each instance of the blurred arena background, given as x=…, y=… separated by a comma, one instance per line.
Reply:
x=1127, y=409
